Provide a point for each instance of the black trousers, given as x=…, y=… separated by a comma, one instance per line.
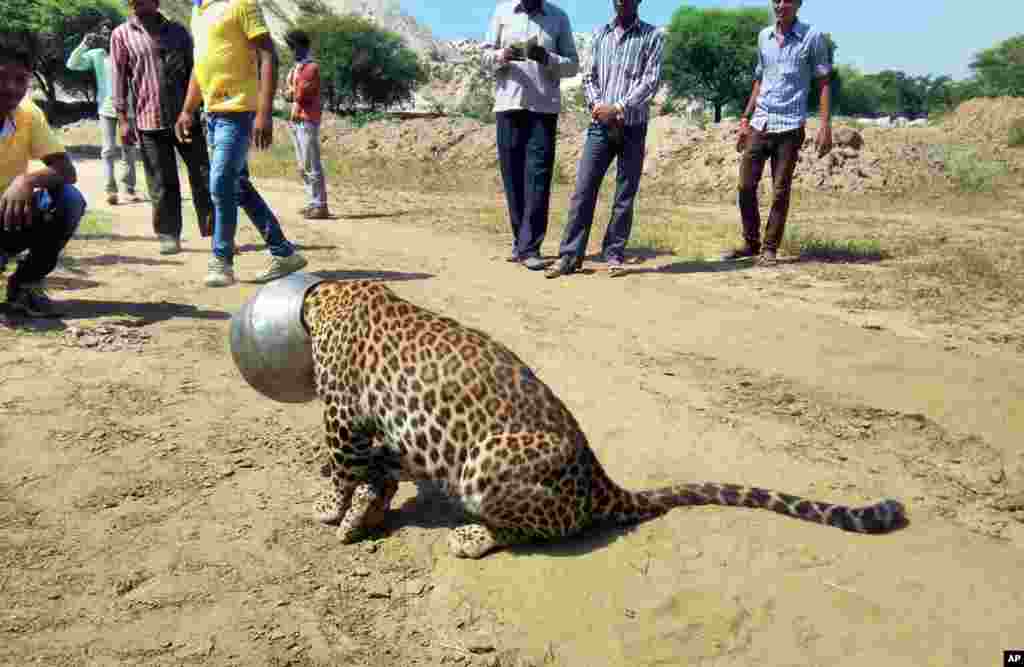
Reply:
x=158, y=148
x=526, y=153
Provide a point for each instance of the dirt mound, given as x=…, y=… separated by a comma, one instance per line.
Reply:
x=985, y=119
x=679, y=152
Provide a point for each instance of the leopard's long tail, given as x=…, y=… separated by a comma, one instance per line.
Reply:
x=615, y=504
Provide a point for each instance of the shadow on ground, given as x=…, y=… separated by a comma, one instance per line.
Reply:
x=138, y=313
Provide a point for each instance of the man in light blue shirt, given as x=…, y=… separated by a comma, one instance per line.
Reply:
x=529, y=48
x=93, y=55
x=791, y=55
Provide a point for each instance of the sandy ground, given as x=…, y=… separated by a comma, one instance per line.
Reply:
x=155, y=510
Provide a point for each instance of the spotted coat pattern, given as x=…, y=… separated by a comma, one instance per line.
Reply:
x=411, y=395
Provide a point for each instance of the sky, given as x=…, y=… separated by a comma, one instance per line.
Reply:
x=916, y=36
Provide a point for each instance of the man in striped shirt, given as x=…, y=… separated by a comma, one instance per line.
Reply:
x=791, y=55
x=530, y=48
x=619, y=85
x=152, y=61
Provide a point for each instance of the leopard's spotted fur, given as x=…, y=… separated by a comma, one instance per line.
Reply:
x=412, y=395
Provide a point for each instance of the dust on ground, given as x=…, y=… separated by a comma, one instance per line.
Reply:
x=155, y=510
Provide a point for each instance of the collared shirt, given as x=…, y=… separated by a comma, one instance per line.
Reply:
x=625, y=69
x=84, y=59
x=153, y=69
x=226, y=65
x=30, y=138
x=786, y=73
x=526, y=84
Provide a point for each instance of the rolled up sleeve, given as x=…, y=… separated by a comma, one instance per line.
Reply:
x=565, y=61
x=821, y=56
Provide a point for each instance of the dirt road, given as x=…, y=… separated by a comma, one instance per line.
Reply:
x=156, y=510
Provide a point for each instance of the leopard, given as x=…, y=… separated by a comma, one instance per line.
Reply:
x=410, y=395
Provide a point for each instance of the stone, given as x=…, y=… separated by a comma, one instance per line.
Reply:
x=847, y=136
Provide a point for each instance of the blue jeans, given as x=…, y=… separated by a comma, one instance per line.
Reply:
x=58, y=213
x=228, y=135
x=598, y=153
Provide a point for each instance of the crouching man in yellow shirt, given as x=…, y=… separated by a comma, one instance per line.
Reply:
x=40, y=209
x=235, y=75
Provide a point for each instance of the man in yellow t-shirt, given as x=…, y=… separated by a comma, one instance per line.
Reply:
x=235, y=75
x=39, y=209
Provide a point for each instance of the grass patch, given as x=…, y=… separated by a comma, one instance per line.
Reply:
x=971, y=173
x=811, y=245
x=1016, y=134
x=95, y=223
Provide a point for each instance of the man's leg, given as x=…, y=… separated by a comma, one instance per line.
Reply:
x=295, y=129
x=315, y=169
x=627, y=183
x=539, y=166
x=511, y=159
x=128, y=157
x=784, y=159
x=751, y=167
x=162, y=179
x=594, y=162
x=57, y=216
x=108, y=155
x=228, y=135
x=196, y=157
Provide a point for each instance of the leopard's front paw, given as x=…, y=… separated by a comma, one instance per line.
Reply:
x=473, y=541
x=327, y=510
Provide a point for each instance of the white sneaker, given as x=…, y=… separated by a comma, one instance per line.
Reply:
x=281, y=267
x=169, y=245
x=220, y=273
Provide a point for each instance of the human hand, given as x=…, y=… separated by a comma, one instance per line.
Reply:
x=508, y=54
x=16, y=205
x=263, y=131
x=606, y=114
x=127, y=133
x=538, y=53
x=744, y=136
x=823, y=142
x=183, y=127
x=91, y=40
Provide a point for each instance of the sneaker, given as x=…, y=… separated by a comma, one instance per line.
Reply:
x=743, y=252
x=616, y=267
x=112, y=199
x=31, y=300
x=281, y=267
x=564, y=266
x=169, y=245
x=305, y=209
x=133, y=196
x=535, y=263
x=316, y=213
x=219, y=273
x=768, y=258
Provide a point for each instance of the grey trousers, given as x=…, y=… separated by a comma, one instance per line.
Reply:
x=109, y=155
x=598, y=152
x=306, y=138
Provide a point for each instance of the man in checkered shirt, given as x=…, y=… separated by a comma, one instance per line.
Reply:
x=791, y=57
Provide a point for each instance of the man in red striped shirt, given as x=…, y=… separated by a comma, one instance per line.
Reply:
x=152, y=58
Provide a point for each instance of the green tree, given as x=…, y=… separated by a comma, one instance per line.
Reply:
x=59, y=26
x=711, y=54
x=362, y=64
x=1000, y=70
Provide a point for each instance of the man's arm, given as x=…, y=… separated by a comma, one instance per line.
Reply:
x=824, y=139
x=80, y=60
x=493, y=57
x=564, y=61
x=16, y=202
x=266, y=54
x=591, y=83
x=187, y=117
x=748, y=111
x=120, y=72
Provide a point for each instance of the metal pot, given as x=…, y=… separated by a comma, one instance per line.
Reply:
x=269, y=343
